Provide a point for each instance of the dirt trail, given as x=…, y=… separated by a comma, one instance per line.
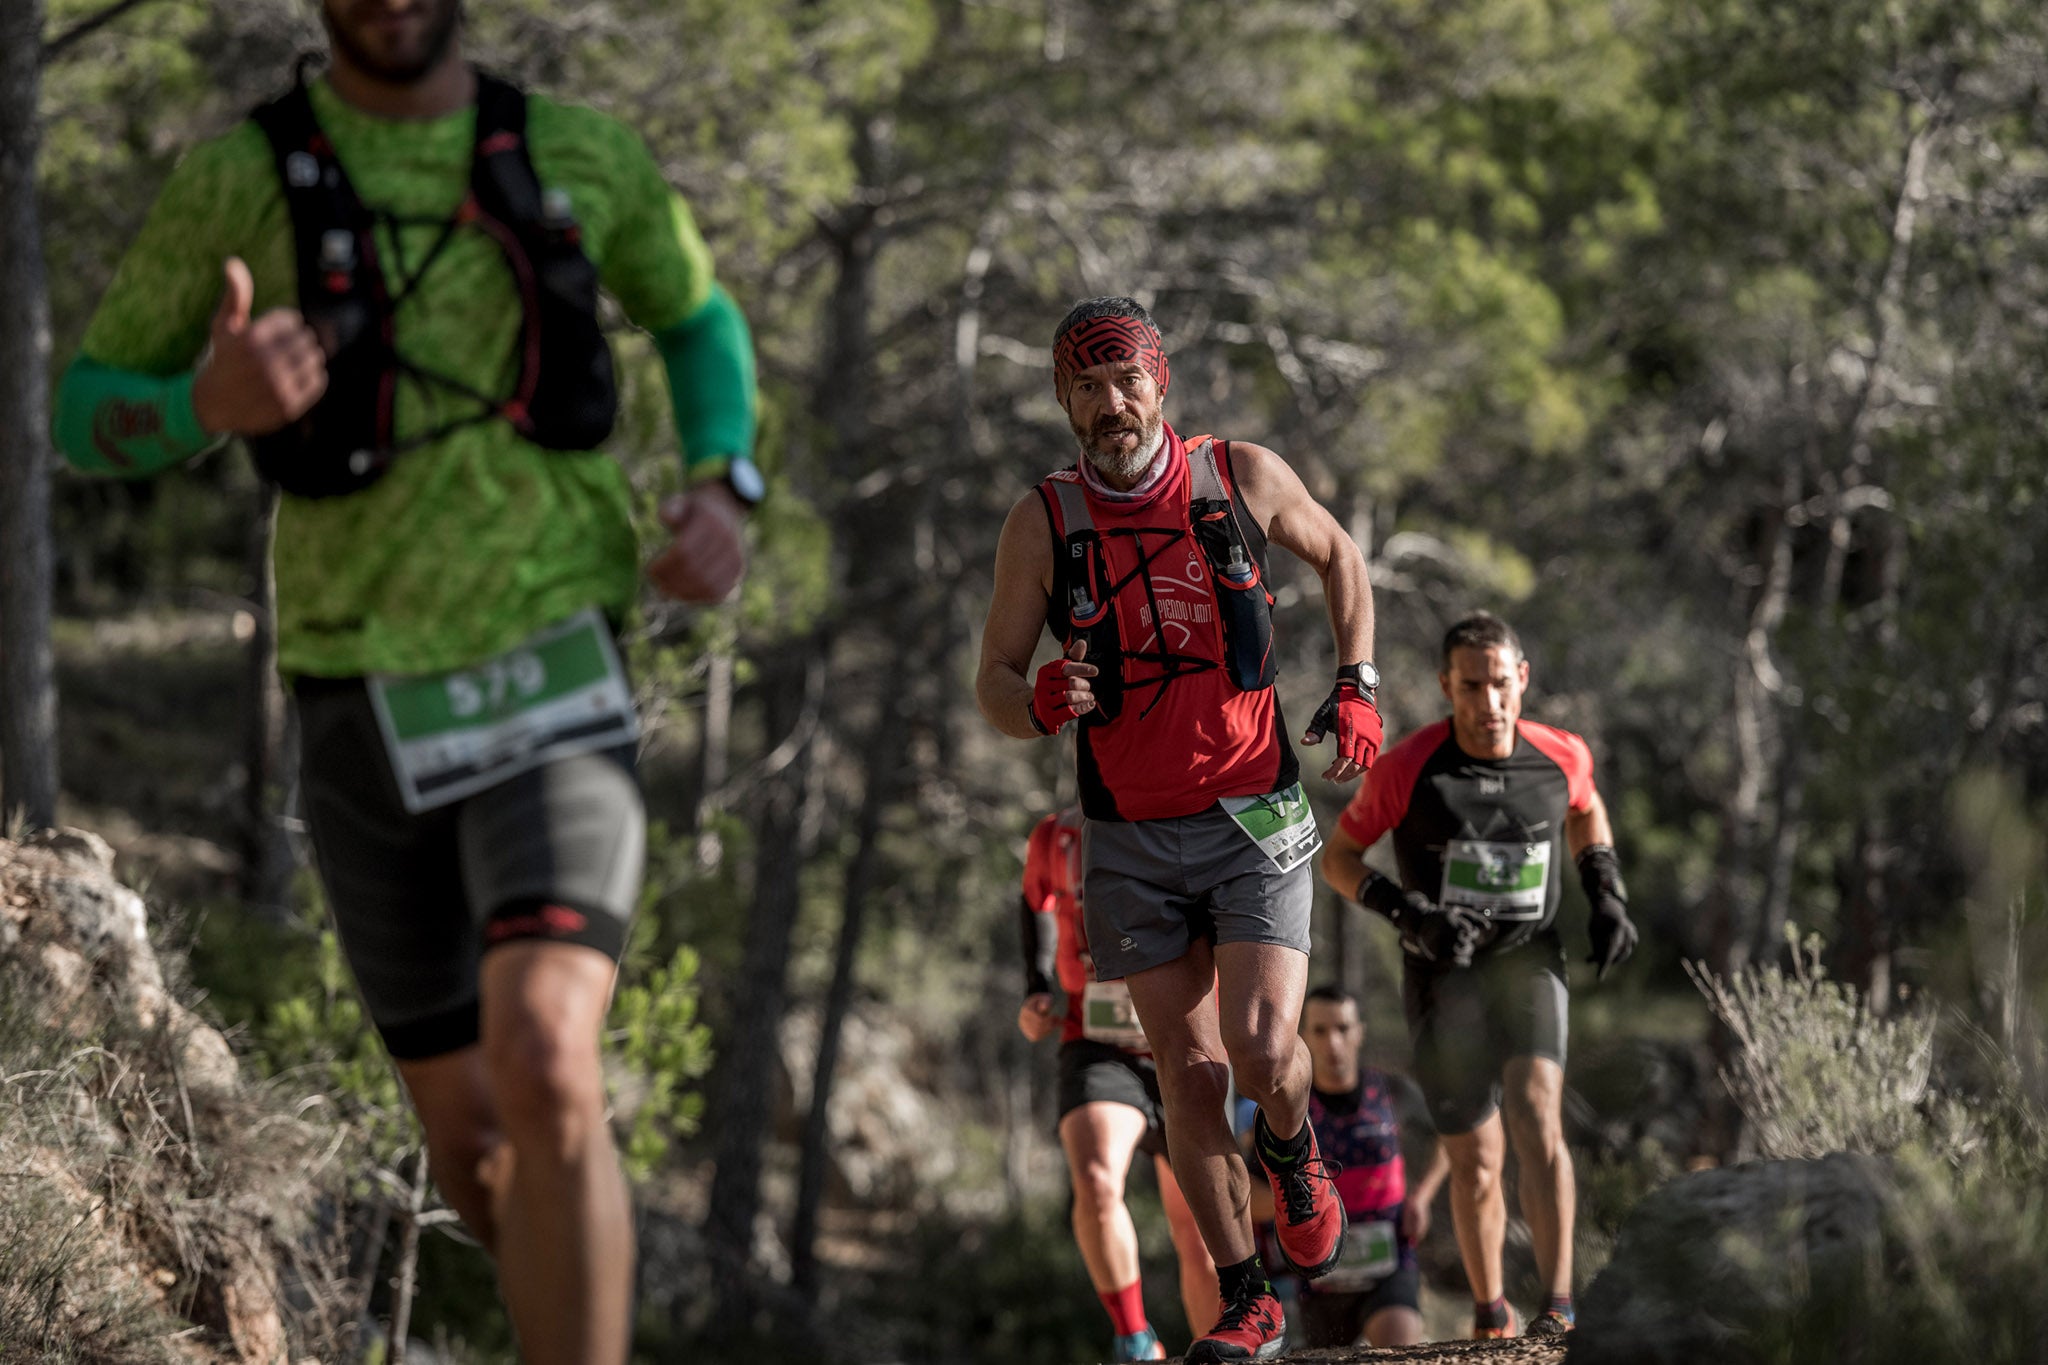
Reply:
x=1522, y=1351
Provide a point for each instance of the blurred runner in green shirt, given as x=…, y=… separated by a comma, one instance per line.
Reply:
x=447, y=622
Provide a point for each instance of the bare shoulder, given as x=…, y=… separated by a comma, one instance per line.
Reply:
x=1027, y=523
x=1268, y=485
x=1025, y=548
x=1252, y=463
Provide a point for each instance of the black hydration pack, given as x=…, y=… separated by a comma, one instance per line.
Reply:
x=563, y=398
x=1086, y=583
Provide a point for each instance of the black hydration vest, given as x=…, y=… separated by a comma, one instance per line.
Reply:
x=1085, y=588
x=563, y=398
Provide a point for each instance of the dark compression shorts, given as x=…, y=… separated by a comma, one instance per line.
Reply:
x=1467, y=1024
x=1099, y=1073
x=555, y=853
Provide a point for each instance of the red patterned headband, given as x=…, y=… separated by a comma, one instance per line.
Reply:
x=1103, y=341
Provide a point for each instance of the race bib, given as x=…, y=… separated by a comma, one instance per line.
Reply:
x=1280, y=823
x=560, y=692
x=1371, y=1253
x=1108, y=1016
x=1507, y=880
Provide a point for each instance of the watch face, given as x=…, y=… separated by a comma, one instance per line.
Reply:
x=745, y=478
x=1368, y=675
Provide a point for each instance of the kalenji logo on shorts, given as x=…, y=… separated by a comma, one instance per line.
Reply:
x=550, y=921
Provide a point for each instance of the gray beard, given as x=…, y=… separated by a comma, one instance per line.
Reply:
x=1126, y=469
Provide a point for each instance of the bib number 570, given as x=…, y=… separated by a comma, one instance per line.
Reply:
x=515, y=677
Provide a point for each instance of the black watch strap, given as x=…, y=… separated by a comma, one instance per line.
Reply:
x=1363, y=676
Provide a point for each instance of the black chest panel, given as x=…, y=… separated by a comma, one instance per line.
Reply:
x=1521, y=800
x=563, y=396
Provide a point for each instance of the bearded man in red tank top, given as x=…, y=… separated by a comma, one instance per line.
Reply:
x=1147, y=560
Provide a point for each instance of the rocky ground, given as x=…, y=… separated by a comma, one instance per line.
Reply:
x=160, y=1206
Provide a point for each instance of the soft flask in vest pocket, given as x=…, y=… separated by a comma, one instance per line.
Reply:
x=1243, y=605
x=1089, y=618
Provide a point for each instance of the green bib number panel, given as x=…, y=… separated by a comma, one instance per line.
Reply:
x=1371, y=1253
x=1509, y=881
x=1280, y=823
x=1108, y=1016
x=560, y=692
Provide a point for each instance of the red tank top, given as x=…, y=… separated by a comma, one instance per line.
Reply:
x=1185, y=734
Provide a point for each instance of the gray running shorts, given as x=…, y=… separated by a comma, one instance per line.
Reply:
x=1155, y=886
x=1467, y=1025
x=555, y=853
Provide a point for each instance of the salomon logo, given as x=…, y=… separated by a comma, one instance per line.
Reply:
x=1128, y=943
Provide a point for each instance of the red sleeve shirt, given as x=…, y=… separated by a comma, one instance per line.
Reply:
x=1381, y=800
x=1485, y=832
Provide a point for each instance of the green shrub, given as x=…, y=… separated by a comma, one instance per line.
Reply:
x=1950, y=1106
x=1814, y=1071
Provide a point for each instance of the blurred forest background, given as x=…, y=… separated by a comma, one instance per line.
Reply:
x=1702, y=339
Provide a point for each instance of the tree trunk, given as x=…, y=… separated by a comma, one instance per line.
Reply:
x=882, y=765
x=748, y=1057
x=714, y=758
x=1866, y=949
x=28, y=680
x=1774, y=905
x=268, y=760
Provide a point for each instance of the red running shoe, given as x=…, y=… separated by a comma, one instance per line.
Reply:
x=1252, y=1328
x=1310, y=1225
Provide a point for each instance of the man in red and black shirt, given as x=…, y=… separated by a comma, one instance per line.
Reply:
x=1484, y=808
x=1147, y=560
x=1109, y=1105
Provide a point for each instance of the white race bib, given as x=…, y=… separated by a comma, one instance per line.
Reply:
x=1280, y=823
x=1509, y=881
x=1371, y=1253
x=1108, y=1016
x=561, y=691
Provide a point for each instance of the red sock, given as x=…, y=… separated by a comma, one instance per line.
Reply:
x=1126, y=1308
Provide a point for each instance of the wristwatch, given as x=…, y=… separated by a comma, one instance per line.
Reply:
x=1363, y=676
x=736, y=472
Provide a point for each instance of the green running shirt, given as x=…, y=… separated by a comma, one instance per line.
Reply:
x=471, y=543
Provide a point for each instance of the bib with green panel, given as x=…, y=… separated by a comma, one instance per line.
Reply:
x=1507, y=880
x=562, y=691
x=1371, y=1253
x=1280, y=823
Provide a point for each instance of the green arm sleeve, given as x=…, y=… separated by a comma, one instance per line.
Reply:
x=710, y=361
x=124, y=422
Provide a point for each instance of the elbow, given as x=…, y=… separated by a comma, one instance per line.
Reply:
x=1340, y=869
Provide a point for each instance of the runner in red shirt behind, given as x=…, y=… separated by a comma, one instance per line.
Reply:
x=1484, y=808
x=1108, y=1097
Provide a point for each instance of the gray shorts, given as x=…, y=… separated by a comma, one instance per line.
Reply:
x=1155, y=886
x=555, y=853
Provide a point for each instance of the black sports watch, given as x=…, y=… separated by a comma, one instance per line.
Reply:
x=741, y=475
x=1363, y=676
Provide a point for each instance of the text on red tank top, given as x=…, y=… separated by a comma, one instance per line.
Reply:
x=1186, y=734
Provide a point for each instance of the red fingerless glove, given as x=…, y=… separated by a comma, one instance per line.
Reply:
x=1051, y=697
x=1356, y=721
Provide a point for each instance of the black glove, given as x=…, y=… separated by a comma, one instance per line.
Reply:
x=1432, y=932
x=1614, y=937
